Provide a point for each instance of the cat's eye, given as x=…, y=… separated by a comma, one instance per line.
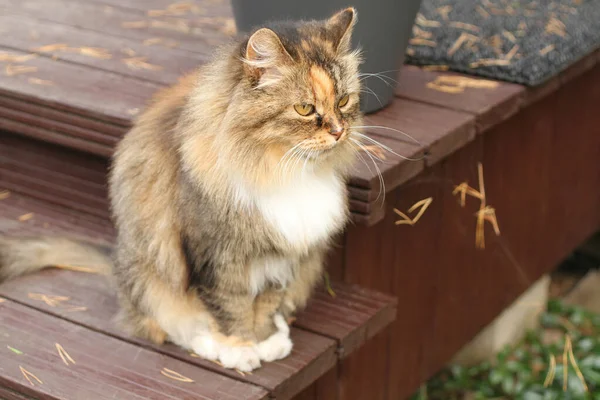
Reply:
x=304, y=109
x=343, y=101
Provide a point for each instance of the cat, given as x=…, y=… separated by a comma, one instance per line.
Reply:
x=226, y=194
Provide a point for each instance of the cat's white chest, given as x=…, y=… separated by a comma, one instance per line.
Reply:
x=306, y=212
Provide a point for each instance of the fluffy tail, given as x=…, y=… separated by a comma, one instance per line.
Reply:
x=20, y=256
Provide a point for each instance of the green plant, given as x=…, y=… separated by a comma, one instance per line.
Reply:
x=560, y=360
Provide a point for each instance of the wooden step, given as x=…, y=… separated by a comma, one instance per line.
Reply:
x=329, y=329
x=88, y=101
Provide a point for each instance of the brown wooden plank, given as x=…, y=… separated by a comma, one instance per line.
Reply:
x=85, y=91
x=63, y=116
x=312, y=356
x=440, y=131
x=58, y=127
x=196, y=33
x=489, y=105
x=54, y=137
x=104, y=368
x=352, y=317
x=166, y=64
x=48, y=218
x=54, y=158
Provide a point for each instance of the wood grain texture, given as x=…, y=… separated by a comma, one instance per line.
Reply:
x=104, y=368
x=541, y=176
x=329, y=326
x=490, y=106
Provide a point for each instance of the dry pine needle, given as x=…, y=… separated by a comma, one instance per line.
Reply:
x=175, y=375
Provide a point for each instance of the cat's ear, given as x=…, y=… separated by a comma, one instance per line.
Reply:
x=340, y=27
x=266, y=55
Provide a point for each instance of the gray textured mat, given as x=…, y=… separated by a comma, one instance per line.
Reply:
x=526, y=42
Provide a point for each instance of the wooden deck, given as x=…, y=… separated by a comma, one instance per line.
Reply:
x=75, y=310
x=539, y=147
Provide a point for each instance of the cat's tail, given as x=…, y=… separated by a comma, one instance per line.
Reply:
x=24, y=255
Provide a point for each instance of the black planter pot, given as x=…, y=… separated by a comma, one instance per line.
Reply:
x=383, y=30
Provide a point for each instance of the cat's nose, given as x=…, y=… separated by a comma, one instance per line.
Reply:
x=336, y=131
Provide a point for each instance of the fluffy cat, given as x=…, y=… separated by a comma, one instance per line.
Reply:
x=227, y=192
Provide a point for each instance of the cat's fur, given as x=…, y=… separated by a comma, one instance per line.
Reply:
x=222, y=227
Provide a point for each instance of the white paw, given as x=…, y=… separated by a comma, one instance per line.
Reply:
x=206, y=347
x=244, y=358
x=281, y=324
x=276, y=347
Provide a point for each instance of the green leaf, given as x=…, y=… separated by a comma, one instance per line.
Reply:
x=529, y=395
x=585, y=344
x=16, y=351
x=556, y=306
x=496, y=376
x=508, y=385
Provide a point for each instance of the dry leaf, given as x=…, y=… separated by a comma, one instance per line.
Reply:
x=406, y=220
x=51, y=301
x=463, y=25
x=41, y=82
x=140, y=63
x=25, y=217
x=76, y=309
x=174, y=25
x=175, y=375
x=512, y=52
x=64, y=355
x=551, y=371
x=129, y=52
x=435, y=67
x=161, y=41
x=28, y=375
x=5, y=194
x=509, y=36
x=95, y=52
x=483, y=12
x=375, y=150
x=12, y=70
x=487, y=62
x=421, y=20
x=422, y=42
x=420, y=33
x=51, y=47
x=464, y=37
x=546, y=50
x=445, y=89
x=16, y=58
x=458, y=83
x=556, y=26
x=135, y=24
x=444, y=11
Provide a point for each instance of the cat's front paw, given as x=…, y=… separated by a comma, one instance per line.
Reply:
x=243, y=358
x=279, y=345
x=206, y=347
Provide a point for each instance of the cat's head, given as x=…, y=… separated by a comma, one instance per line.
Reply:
x=301, y=86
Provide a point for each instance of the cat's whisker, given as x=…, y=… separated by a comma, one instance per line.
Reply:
x=389, y=129
x=381, y=180
x=372, y=152
x=281, y=165
x=358, y=152
x=373, y=93
x=380, y=76
x=384, y=147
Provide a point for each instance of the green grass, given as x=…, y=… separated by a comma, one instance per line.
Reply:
x=519, y=372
